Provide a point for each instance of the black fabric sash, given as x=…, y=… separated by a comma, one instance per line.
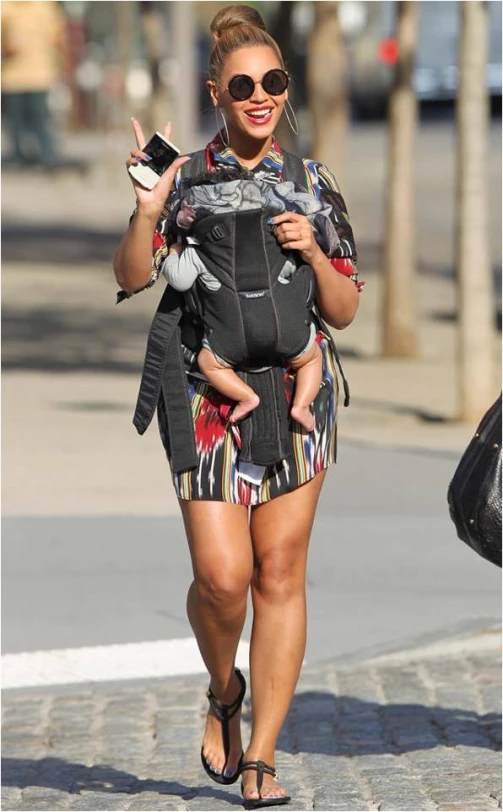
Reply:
x=164, y=370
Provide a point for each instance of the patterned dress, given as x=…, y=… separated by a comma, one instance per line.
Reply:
x=218, y=476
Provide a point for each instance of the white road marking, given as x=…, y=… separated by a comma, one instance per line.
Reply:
x=160, y=658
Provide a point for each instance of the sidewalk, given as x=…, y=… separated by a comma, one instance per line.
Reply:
x=413, y=730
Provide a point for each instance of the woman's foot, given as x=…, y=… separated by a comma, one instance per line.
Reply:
x=303, y=415
x=244, y=407
x=213, y=749
x=270, y=789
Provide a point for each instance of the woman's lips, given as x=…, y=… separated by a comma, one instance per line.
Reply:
x=259, y=120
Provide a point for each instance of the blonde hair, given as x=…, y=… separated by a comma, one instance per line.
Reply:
x=235, y=27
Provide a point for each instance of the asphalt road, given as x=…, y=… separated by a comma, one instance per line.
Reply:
x=385, y=567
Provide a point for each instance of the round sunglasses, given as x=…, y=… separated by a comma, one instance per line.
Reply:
x=274, y=82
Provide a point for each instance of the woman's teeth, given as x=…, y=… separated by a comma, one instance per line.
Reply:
x=259, y=116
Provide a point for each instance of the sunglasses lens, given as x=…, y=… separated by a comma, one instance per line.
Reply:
x=275, y=82
x=241, y=87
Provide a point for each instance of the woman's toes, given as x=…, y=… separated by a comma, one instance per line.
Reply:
x=212, y=763
x=250, y=794
x=215, y=767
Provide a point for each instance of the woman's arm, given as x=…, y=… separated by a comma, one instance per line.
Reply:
x=133, y=259
x=337, y=295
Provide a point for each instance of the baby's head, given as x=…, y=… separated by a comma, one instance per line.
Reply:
x=222, y=174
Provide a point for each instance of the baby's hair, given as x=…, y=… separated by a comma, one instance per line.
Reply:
x=235, y=27
x=221, y=174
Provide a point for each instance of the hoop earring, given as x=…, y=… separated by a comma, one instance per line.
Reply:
x=226, y=129
x=291, y=117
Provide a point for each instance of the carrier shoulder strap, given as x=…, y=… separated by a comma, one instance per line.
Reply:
x=294, y=169
x=196, y=166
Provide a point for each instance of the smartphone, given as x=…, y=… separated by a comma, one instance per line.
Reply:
x=162, y=153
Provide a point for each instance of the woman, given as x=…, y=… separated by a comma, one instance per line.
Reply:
x=248, y=532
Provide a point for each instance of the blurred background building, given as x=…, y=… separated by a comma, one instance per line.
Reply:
x=131, y=57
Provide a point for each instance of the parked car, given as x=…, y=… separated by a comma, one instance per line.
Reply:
x=370, y=27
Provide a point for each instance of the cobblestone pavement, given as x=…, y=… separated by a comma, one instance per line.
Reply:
x=420, y=730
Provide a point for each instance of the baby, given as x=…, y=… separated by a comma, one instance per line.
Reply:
x=215, y=194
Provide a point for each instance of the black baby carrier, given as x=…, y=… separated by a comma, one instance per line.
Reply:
x=256, y=317
x=268, y=320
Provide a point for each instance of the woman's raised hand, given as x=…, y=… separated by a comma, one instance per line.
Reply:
x=151, y=201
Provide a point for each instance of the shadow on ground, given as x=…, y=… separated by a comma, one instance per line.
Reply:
x=398, y=409
x=50, y=339
x=57, y=244
x=318, y=723
x=55, y=773
x=346, y=726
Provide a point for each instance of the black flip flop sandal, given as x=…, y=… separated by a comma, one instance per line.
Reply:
x=262, y=768
x=224, y=714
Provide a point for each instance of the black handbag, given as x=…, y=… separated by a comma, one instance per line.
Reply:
x=474, y=494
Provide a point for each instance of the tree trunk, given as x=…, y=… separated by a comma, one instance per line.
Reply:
x=183, y=44
x=326, y=80
x=153, y=25
x=475, y=305
x=281, y=31
x=399, y=316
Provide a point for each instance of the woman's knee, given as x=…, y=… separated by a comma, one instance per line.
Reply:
x=280, y=575
x=222, y=588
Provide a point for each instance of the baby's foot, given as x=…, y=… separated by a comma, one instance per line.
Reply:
x=302, y=414
x=244, y=407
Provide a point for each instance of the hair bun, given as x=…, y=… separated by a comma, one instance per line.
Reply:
x=234, y=17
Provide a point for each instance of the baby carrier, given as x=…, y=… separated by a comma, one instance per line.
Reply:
x=251, y=295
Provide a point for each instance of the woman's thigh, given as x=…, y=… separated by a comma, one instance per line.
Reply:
x=219, y=540
x=280, y=531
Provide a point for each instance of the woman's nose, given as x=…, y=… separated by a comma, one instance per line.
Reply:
x=259, y=96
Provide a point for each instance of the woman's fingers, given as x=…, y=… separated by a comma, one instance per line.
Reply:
x=293, y=234
x=288, y=217
x=290, y=225
x=136, y=156
x=138, y=133
x=167, y=131
x=164, y=184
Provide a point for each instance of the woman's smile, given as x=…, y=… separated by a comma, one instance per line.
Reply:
x=258, y=116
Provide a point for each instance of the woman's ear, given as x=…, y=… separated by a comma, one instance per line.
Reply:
x=212, y=88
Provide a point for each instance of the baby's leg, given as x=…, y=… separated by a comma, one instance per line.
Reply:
x=308, y=367
x=225, y=381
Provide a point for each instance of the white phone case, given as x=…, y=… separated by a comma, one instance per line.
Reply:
x=144, y=175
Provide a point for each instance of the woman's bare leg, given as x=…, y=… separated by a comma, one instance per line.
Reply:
x=280, y=535
x=308, y=367
x=222, y=562
x=225, y=381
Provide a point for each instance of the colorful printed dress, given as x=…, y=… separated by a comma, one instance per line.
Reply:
x=219, y=475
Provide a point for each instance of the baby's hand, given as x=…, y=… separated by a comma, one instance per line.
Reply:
x=175, y=248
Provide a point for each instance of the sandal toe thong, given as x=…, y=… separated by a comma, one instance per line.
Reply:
x=262, y=769
x=224, y=714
